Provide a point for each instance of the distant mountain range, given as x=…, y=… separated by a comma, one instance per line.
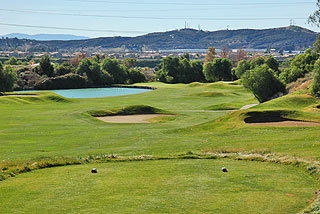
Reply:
x=45, y=37
x=284, y=38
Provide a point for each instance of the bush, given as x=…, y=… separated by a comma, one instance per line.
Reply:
x=272, y=63
x=8, y=77
x=315, y=85
x=218, y=69
x=68, y=81
x=92, y=69
x=64, y=68
x=135, y=76
x=117, y=71
x=299, y=66
x=262, y=82
x=180, y=70
x=45, y=67
x=243, y=66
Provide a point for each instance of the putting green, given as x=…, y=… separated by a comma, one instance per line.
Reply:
x=162, y=186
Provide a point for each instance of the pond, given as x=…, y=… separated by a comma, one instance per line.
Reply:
x=94, y=92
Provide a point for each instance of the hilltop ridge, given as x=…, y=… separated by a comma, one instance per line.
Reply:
x=283, y=38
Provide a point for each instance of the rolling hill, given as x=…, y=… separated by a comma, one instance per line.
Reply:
x=284, y=38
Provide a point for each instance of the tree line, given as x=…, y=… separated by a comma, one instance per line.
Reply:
x=263, y=76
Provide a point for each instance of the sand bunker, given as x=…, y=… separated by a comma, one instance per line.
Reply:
x=137, y=118
x=278, y=121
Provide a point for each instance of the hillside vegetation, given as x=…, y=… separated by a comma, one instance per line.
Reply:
x=285, y=38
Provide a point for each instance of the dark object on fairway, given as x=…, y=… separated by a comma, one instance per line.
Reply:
x=94, y=170
x=224, y=169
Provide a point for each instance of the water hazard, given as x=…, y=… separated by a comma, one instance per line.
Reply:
x=94, y=92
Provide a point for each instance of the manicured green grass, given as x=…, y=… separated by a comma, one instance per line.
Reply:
x=51, y=126
x=166, y=186
x=37, y=127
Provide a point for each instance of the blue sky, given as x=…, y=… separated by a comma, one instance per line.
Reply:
x=137, y=17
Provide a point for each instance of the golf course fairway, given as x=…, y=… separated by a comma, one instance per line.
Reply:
x=49, y=144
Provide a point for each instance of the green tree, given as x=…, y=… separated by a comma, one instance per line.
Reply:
x=272, y=63
x=315, y=85
x=12, y=61
x=83, y=67
x=180, y=70
x=169, y=70
x=316, y=45
x=92, y=69
x=129, y=62
x=299, y=66
x=262, y=82
x=243, y=66
x=117, y=72
x=45, y=66
x=8, y=77
x=97, y=76
x=197, y=71
x=64, y=68
x=315, y=17
x=257, y=62
x=135, y=75
x=218, y=69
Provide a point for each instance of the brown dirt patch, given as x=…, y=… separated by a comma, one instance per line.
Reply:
x=137, y=118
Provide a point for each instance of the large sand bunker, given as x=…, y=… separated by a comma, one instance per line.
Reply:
x=137, y=118
x=278, y=121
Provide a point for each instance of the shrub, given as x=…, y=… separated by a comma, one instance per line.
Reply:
x=315, y=85
x=299, y=66
x=45, y=66
x=262, y=82
x=135, y=76
x=218, y=69
x=64, y=68
x=8, y=77
x=180, y=70
x=117, y=71
x=67, y=81
x=243, y=66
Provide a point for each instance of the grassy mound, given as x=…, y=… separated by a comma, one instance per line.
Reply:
x=291, y=101
x=160, y=186
x=210, y=94
x=41, y=97
x=129, y=110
